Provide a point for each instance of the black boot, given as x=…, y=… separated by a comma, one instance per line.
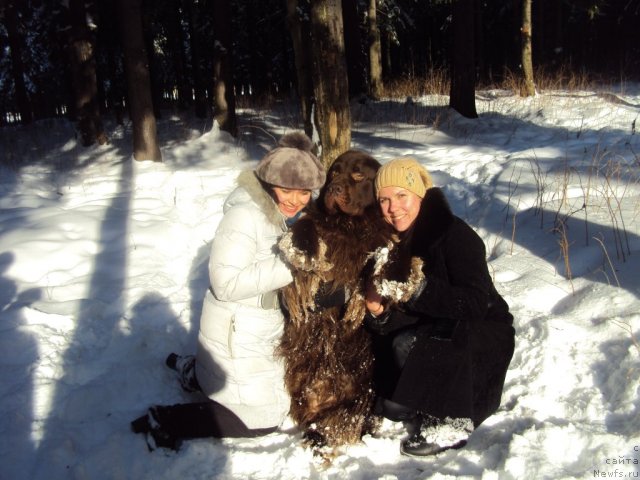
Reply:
x=141, y=424
x=417, y=446
x=155, y=436
x=172, y=361
x=186, y=368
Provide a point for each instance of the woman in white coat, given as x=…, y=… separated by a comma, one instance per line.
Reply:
x=241, y=323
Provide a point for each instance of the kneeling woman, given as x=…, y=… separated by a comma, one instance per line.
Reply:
x=235, y=374
x=441, y=357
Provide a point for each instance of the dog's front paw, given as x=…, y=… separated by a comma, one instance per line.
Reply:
x=400, y=288
x=313, y=438
x=323, y=453
x=304, y=250
x=304, y=237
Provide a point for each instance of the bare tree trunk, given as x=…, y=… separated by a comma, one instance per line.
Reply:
x=302, y=53
x=15, y=44
x=528, y=88
x=478, y=41
x=224, y=108
x=330, y=79
x=198, y=84
x=81, y=50
x=354, y=54
x=386, y=54
x=109, y=41
x=260, y=83
x=154, y=64
x=145, y=142
x=177, y=39
x=375, y=53
x=463, y=93
x=115, y=95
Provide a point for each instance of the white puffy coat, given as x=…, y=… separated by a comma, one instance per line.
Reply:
x=241, y=321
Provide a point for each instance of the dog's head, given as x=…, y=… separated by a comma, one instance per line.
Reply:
x=350, y=184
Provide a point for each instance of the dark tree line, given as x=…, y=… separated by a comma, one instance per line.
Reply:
x=87, y=59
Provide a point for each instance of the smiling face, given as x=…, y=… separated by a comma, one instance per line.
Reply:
x=349, y=187
x=291, y=201
x=399, y=207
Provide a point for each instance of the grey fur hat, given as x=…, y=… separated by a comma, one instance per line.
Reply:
x=292, y=165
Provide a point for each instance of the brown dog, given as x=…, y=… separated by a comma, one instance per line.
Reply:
x=327, y=352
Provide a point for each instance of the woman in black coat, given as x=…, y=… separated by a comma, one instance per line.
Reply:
x=441, y=356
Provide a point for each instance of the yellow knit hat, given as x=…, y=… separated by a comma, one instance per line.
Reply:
x=406, y=173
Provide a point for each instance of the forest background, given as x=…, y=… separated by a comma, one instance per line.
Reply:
x=85, y=59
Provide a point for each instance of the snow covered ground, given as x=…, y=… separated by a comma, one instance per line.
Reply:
x=103, y=270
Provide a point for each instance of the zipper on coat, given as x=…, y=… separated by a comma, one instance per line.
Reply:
x=232, y=330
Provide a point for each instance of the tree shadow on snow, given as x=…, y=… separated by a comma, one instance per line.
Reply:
x=19, y=357
x=81, y=399
x=111, y=363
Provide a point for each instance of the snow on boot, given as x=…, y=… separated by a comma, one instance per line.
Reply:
x=436, y=436
x=185, y=365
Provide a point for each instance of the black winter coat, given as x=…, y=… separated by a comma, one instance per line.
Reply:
x=465, y=337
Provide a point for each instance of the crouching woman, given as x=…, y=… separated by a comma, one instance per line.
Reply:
x=442, y=356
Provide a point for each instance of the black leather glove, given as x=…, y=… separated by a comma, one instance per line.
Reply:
x=328, y=297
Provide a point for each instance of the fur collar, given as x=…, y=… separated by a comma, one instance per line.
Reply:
x=248, y=181
x=433, y=220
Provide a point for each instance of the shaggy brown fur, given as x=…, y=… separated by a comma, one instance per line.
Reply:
x=327, y=352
